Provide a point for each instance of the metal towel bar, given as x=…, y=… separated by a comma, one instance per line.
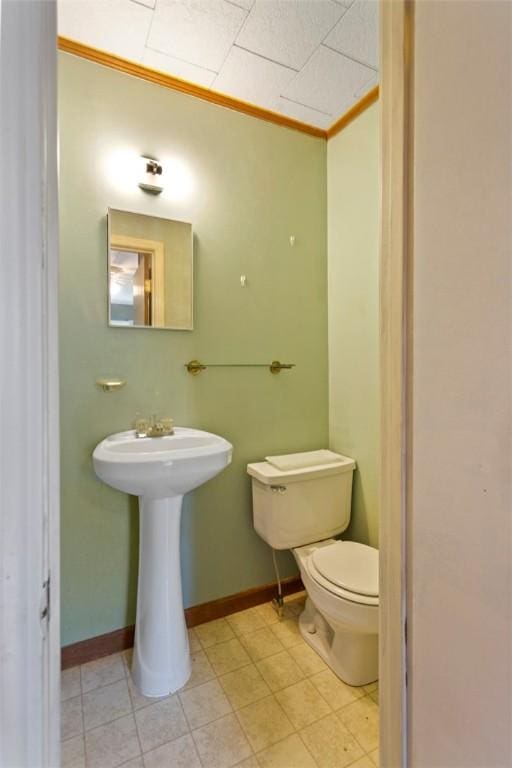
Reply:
x=195, y=367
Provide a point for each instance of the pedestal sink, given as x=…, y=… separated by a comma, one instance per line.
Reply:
x=159, y=470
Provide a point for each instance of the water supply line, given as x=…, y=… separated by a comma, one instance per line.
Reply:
x=277, y=602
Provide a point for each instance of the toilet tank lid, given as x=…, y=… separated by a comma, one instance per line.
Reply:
x=269, y=474
x=304, y=460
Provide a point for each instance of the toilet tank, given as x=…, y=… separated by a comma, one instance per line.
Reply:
x=301, y=506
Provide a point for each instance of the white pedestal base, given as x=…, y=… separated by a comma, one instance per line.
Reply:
x=161, y=658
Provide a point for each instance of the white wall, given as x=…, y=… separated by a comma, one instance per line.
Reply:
x=460, y=553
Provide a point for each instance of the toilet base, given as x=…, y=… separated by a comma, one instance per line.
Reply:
x=352, y=656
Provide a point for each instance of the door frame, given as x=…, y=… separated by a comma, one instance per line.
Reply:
x=29, y=402
x=396, y=115
x=41, y=706
x=155, y=249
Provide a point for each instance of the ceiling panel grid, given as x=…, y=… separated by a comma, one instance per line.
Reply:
x=310, y=60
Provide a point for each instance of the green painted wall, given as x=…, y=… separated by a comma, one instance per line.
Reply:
x=255, y=184
x=353, y=279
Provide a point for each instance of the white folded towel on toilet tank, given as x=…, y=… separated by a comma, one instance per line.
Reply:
x=290, y=461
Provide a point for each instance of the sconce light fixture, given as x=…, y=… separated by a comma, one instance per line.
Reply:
x=151, y=175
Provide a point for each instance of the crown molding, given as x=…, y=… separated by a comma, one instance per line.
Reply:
x=75, y=48
x=183, y=86
x=358, y=108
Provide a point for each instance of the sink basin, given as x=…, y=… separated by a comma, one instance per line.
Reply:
x=159, y=467
x=160, y=470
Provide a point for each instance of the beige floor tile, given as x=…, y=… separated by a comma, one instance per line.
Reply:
x=111, y=745
x=102, y=672
x=244, y=686
x=289, y=753
x=363, y=762
x=127, y=657
x=371, y=687
x=296, y=603
x=161, y=722
x=362, y=720
x=267, y=613
x=374, y=696
x=193, y=641
x=225, y=657
x=288, y=632
x=264, y=723
x=71, y=721
x=280, y=671
x=180, y=753
x=261, y=643
x=245, y=621
x=302, y=703
x=214, y=632
x=249, y=762
x=105, y=704
x=202, y=670
x=204, y=703
x=221, y=744
x=308, y=660
x=72, y=754
x=138, y=699
x=334, y=690
x=70, y=683
x=332, y=746
x=375, y=757
x=290, y=612
x=137, y=762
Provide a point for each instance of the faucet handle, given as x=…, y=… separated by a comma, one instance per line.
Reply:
x=155, y=428
x=141, y=426
x=168, y=425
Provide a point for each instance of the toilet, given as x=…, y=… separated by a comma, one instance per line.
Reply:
x=301, y=502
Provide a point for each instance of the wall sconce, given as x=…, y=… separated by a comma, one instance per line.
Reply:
x=151, y=175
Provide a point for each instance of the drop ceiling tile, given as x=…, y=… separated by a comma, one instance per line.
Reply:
x=357, y=34
x=198, y=31
x=252, y=78
x=117, y=26
x=328, y=82
x=303, y=113
x=288, y=32
x=178, y=68
x=367, y=87
x=247, y=4
x=147, y=3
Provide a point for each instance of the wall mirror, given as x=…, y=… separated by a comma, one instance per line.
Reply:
x=150, y=272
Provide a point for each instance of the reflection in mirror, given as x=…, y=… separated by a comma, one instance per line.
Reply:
x=150, y=267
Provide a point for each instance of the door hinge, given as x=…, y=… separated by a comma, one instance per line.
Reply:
x=45, y=603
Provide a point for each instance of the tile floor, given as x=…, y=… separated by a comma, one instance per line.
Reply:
x=258, y=697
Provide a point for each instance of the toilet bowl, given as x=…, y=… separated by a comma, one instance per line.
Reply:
x=301, y=507
x=340, y=622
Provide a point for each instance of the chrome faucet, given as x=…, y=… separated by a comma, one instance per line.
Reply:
x=155, y=428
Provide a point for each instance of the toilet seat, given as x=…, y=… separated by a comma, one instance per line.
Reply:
x=348, y=570
x=349, y=565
